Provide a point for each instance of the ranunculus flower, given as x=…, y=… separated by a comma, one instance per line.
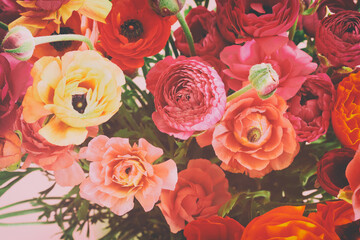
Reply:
x=81, y=90
x=309, y=110
x=353, y=176
x=254, y=19
x=338, y=39
x=201, y=190
x=214, y=228
x=207, y=38
x=189, y=95
x=310, y=23
x=253, y=136
x=331, y=170
x=119, y=172
x=346, y=113
x=14, y=80
x=60, y=159
x=133, y=31
x=90, y=29
x=291, y=64
x=38, y=13
x=10, y=149
x=286, y=222
x=333, y=214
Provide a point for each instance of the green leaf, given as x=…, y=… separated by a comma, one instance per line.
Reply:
x=83, y=210
x=226, y=208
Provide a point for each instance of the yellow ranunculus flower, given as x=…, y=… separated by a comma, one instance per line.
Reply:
x=82, y=89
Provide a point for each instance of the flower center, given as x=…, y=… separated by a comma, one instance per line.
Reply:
x=306, y=96
x=132, y=29
x=79, y=102
x=254, y=134
x=61, y=46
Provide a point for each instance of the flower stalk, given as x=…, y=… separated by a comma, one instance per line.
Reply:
x=4, y=26
x=239, y=92
x=63, y=37
x=187, y=32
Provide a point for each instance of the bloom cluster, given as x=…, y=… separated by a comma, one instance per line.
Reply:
x=245, y=110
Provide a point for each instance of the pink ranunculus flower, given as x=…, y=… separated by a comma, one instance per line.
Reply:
x=207, y=38
x=60, y=159
x=201, y=190
x=309, y=110
x=255, y=18
x=119, y=172
x=353, y=177
x=15, y=78
x=291, y=64
x=189, y=95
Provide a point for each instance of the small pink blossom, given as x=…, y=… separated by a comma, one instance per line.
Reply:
x=119, y=172
x=291, y=64
x=189, y=95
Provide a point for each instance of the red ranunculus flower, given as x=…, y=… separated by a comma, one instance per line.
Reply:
x=213, y=228
x=133, y=31
x=331, y=170
x=201, y=190
x=15, y=78
x=189, y=95
x=353, y=176
x=207, y=38
x=309, y=109
x=254, y=19
x=338, y=39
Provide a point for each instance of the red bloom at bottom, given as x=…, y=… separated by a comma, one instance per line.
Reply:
x=214, y=228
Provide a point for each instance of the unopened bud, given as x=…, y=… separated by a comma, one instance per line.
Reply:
x=264, y=79
x=19, y=43
x=166, y=7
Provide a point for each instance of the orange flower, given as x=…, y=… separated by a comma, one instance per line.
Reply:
x=10, y=149
x=254, y=137
x=73, y=25
x=133, y=31
x=81, y=90
x=286, y=222
x=39, y=13
x=346, y=112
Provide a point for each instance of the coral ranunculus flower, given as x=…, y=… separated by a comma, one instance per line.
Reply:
x=346, y=113
x=214, y=228
x=133, y=31
x=286, y=222
x=201, y=190
x=254, y=136
x=10, y=149
x=39, y=13
x=81, y=90
x=353, y=176
x=119, y=172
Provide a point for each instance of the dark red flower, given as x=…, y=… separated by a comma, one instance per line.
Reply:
x=207, y=39
x=214, y=228
x=331, y=170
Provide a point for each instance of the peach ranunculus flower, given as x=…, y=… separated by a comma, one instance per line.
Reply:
x=286, y=222
x=10, y=149
x=39, y=13
x=254, y=136
x=81, y=90
x=119, y=172
x=201, y=190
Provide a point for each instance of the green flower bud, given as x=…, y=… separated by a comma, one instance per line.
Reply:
x=19, y=43
x=166, y=7
x=264, y=79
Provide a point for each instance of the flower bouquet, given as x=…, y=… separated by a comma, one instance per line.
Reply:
x=239, y=121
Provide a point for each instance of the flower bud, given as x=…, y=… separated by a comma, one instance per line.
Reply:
x=264, y=79
x=19, y=42
x=166, y=7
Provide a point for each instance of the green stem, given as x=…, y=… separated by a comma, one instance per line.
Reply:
x=63, y=37
x=293, y=30
x=206, y=3
x=4, y=26
x=25, y=223
x=239, y=92
x=28, y=200
x=187, y=32
x=171, y=40
x=20, y=213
